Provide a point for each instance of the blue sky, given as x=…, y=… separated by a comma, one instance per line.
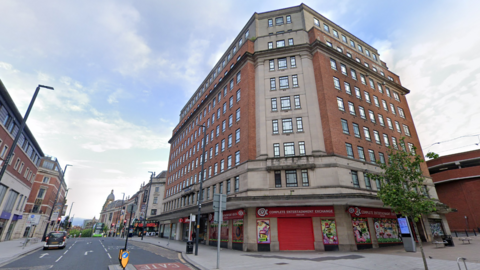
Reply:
x=122, y=70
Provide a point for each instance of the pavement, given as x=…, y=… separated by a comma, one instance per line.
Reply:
x=441, y=258
x=11, y=250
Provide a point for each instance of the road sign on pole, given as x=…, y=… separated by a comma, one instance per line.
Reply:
x=217, y=198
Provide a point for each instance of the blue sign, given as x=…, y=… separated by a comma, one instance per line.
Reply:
x=125, y=255
x=403, y=224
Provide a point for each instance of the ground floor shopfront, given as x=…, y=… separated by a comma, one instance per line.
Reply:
x=320, y=228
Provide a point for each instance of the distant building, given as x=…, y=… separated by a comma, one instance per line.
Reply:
x=296, y=111
x=48, y=181
x=457, y=181
x=17, y=182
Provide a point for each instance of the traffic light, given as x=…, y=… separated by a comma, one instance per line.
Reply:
x=52, y=223
x=113, y=225
x=58, y=220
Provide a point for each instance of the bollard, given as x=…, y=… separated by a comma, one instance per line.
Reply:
x=456, y=235
x=474, y=232
x=466, y=233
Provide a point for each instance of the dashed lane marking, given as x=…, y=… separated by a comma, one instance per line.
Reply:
x=59, y=258
x=109, y=255
x=65, y=252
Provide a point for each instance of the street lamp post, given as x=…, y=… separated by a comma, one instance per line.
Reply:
x=20, y=131
x=200, y=196
x=55, y=202
x=146, y=208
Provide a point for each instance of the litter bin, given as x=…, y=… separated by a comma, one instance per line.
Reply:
x=449, y=240
x=189, y=247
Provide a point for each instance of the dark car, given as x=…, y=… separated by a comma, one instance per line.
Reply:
x=56, y=239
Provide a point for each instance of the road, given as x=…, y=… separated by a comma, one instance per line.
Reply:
x=98, y=253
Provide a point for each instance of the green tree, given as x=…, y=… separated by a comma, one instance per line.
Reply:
x=86, y=233
x=403, y=189
x=432, y=155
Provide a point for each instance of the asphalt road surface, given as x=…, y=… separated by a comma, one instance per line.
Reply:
x=98, y=253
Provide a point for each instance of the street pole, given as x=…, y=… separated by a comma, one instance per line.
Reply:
x=219, y=228
x=146, y=207
x=55, y=202
x=200, y=196
x=20, y=131
x=64, y=202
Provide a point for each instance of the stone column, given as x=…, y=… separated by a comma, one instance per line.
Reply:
x=373, y=234
x=346, y=240
x=317, y=232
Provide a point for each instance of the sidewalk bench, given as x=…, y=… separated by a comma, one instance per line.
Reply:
x=465, y=239
x=440, y=243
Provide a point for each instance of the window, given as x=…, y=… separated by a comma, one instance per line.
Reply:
x=361, y=154
x=377, y=137
x=270, y=45
x=347, y=88
x=278, y=178
x=301, y=148
x=287, y=126
x=394, y=143
x=396, y=96
x=345, y=126
x=392, y=108
x=372, y=84
x=270, y=22
x=237, y=183
x=237, y=115
x=343, y=68
x=357, y=93
x=375, y=101
x=289, y=19
x=371, y=155
x=336, y=83
x=368, y=185
x=299, y=124
x=293, y=62
x=276, y=150
x=367, y=96
x=326, y=28
x=362, y=79
x=273, y=85
x=224, y=123
x=401, y=113
x=279, y=21
x=388, y=91
x=356, y=130
x=230, y=120
x=339, y=49
x=351, y=108
x=335, y=33
x=222, y=168
x=366, y=133
x=380, y=120
x=406, y=129
x=341, y=107
x=290, y=42
x=372, y=116
x=229, y=162
x=296, y=99
x=274, y=104
x=283, y=81
x=384, y=103
x=222, y=144
x=353, y=73
x=291, y=178
x=282, y=63
x=316, y=22
x=333, y=64
x=385, y=140
x=275, y=126
x=230, y=100
x=382, y=158
x=349, y=55
x=289, y=149
x=285, y=103
x=355, y=179
x=352, y=43
x=361, y=110
x=272, y=64
x=349, y=150
x=237, y=138
x=237, y=157
x=344, y=38
x=280, y=43
x=295, y=80
x=389, y=123
x=329, y=44
x=397, y=125
x=46, y=179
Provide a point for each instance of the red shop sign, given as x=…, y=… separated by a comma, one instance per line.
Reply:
x=300, y=211
x=356, y=211
x=230, y=214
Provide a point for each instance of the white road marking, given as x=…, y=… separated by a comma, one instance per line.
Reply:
x=65, y=252
x=44, y=254
x=86, y=252
x=59, y=258
x=106, y=250
x=109, y=256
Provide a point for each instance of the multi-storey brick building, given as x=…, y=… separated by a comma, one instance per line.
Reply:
x=295, y=111
x=457, y=181
x=17, y=181
x=49, y=180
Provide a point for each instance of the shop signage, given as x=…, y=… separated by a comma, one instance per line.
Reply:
x=148, y=224
x=356, y=211
x=230, y=214
x=184, y=220
x=301, y=211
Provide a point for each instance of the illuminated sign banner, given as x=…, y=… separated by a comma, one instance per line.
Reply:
x=301, y=211
x=371, y=212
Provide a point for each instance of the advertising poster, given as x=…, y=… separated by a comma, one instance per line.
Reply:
x=386, y=230
x=212, y=234
x=263, y=231
x=403, y=225
x=329, y=231
x=436, y=227
x=360, y=231
x=237, y=231
x=224, y=232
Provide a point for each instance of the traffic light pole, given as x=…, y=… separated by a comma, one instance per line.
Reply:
x=200, y=196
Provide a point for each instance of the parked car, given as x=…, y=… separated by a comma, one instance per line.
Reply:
x=57, y=239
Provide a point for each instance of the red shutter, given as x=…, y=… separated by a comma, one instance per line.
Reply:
x=295, y=234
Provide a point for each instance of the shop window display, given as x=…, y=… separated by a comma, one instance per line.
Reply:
x=237, y=231
x=386, y=230
x=329, y=231
x=360, y=231
x=263, y=231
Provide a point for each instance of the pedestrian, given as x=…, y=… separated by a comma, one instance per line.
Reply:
x=194, y=235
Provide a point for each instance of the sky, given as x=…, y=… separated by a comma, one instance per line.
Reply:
x=123, y=70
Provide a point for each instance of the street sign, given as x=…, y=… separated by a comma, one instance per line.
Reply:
x=216, y=201
x=33, y=219
x=216, y=216
x=132, y=208
x=124, y=258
